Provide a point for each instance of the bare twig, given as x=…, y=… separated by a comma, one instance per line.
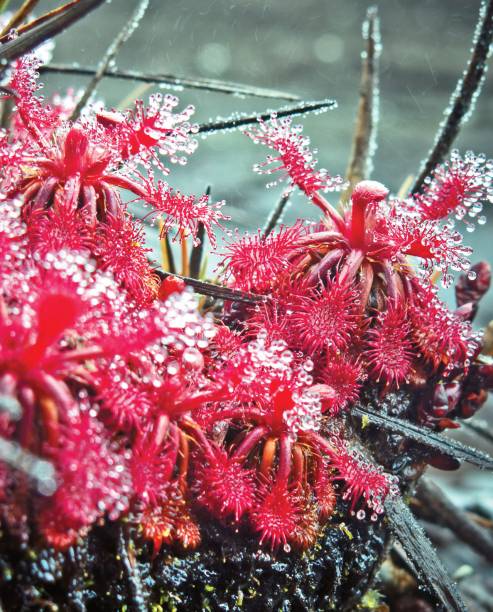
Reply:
x=6, y=107
x=276, y=214
x=462, y=101
x=26, y=27
x=198, y=250
x=427, y=438
x=216, y=291
x=57, y=22
x=238, y=121
x=19, y=16
x=433, y=505
x=131, y=571
x=237, y=89
x=169, y=254
x=364, y=140
x=110, y=55
x=197, y=253
x=421, y=555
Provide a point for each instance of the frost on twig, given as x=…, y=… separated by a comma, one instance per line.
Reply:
x=240, y=120
x=45, y=27
x=18, y=17
x=217, y=291
x=464, y=97
x=174, y=81
x=112, y=51
x=364, y=139
x=131, y=571
x=421, y=555
x=277, y=213
x=428, y=438
x=197, y=252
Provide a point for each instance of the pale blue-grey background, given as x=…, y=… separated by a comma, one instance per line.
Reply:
x=309, y=47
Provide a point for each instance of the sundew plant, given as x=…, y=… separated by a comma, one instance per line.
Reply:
x=249, y=435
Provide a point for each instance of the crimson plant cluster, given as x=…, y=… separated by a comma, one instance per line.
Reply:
x=150, y=406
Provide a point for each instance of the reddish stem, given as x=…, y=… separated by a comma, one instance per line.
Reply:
x=189, y=404
x=328, y=261
x=318, y=238
x=174, y=436
x=50, y=419
x=321, y=444
x=112, y=201
x=160, y=430
x=408, y=290
x=298, y=464
x=390, y=280
x=27, y=401
x=56, y=389
x=200, y=439
x=184, y=457
x=90, y=202
x=329, y=211
x=251, y=439
x=268, y=457
x=366, y=283
x=358, y=223
x=44, y=194
x=82, y=354
x=238, y=413
x=125, y=183
x=352, y=265
x=284, y=469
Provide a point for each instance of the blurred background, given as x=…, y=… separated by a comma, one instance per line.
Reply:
x=311, y=48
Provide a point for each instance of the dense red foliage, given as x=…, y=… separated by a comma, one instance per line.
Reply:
x=149, y=408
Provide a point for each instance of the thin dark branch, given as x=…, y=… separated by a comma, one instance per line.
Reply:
x=364, y=140
x=19, y=16
x=169, y=255
x=27, y=27
x=27, y=41
x=427, y=438
x=197, y=253
x=8, y=91
x=276, y=214
x=131, y=572
x=421, y=555
x=215, y=85
x=434, y=506
x=239, y=121
x=462, y=101
x=216, y=291
x=110, y=55
x=6, y=107
x=481, y=428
